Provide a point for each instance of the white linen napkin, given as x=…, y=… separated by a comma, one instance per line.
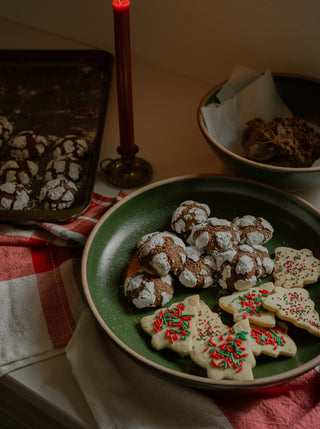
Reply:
x=123, y=394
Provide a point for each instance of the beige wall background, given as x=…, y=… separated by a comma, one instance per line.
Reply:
x=198, y=38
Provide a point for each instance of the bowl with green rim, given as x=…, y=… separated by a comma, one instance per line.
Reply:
x=112, y=243
x=301, y=94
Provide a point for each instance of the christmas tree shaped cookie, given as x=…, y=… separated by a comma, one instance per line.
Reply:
x=272, y=341
x=209, y=326
x=227, y=356
x=174, y=327
x=295, y=268
x=295, y=306
x=248, y=305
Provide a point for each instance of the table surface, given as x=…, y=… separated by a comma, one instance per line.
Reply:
x=167, y=134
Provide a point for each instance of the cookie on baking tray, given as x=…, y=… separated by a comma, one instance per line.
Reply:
x=5, y=130
x=295, y=268
x=174, y=327
x=63, y=166
x=294, y=305
x=145, y=290
x=249, y=305
x=58, y=194
x=228, y=355
x=71, y=145
x=19, y=171
x=13, y=196
x=27, y=145
x=272, y=341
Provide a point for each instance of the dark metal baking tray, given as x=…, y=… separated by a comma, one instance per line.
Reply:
x=56, y=92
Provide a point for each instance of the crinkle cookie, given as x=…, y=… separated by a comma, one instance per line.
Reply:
x=5, y=130
x=27, y=145
x=71, y=145
x=161, y=253
x=254, y=230
x=66, y=166
x=19, y=171
x=147, y=290
x=198, y=271
x=215, y=235
x=174, y=327
x=58, y=194
x=187, y=215
x=13, y=196
x=241, y=267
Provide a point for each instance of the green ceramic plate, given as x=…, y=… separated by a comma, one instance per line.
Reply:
x=111, y=243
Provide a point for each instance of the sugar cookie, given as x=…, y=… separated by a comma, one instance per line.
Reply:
x=229, y=355
x=295, y=268
x=295, y=306
x=175, y=327
x=272, y=341
x=248, y=305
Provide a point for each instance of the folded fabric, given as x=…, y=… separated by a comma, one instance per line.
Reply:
x=122, y=393
x=40, y=285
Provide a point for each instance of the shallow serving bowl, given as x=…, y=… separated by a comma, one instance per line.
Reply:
x=301, y=94
x=112, y=242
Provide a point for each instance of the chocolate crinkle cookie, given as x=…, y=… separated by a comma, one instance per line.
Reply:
x=5, y=130
x=71, y=145
x=27, y=145
x=145, y=290
x=13, y=196
x=187, y=215
x=161, y=252
x=215, y=235
x=253, y=230
x=66, y=166
x=199, y=269
x=19, y=171
x=58, y=194
x=240, y=267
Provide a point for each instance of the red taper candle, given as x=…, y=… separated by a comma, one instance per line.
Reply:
x=121, y=17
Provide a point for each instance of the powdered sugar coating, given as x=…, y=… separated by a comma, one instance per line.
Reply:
x=58, y=194
x=66, y=166
x=19, y=171
x=254, y=230
x=5, y=130
x=215, y=235
x=146, y=290
x=241, y=267
x=27, y=145
x=161, y=252
x=13, y=196
x=71, y=145
x=188, y=214
x=198, y=270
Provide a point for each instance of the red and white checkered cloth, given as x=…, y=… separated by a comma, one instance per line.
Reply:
x=40, y=285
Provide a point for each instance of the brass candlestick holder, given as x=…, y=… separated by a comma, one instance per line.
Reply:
x=127, y=171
